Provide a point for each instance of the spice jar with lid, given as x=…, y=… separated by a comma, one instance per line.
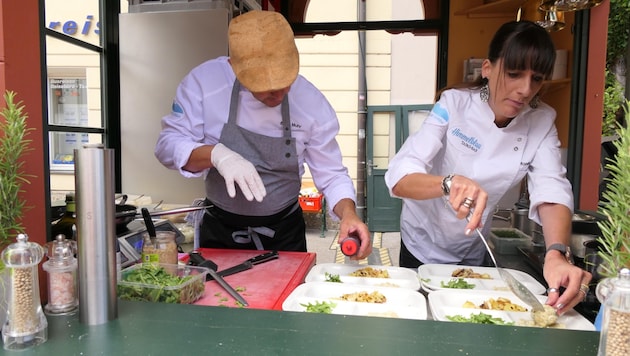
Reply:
x=163, y=250
x=614, y=293
x=26, y=323
x=62, y=276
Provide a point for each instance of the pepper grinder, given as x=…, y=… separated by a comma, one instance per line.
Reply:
x=26, y=324
x=62, y=276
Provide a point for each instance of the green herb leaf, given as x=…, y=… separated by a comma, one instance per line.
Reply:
x=458, y=283
x=480, y=318
x=320, y=307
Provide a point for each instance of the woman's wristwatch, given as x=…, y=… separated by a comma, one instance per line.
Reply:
x=563, y=249
x=446, y=184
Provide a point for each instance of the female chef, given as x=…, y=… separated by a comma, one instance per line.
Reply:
x=248, y=123
x=478, y=142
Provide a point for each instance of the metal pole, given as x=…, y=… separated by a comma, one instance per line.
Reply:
x=362, y=118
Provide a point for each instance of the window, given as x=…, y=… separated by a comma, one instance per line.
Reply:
x=67, y=100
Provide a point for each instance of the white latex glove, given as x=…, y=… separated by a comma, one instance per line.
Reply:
x=236, y=169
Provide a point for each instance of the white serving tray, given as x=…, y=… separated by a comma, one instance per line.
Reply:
x=402, y=303
x=398, y=276
x=450, y=302
x=431, y=276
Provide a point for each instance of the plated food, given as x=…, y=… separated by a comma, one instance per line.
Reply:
x=353, y=299
x=453, y=305
x=368, y=275
x=440, y=276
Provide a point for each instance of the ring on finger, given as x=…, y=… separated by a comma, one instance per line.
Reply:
x=552, y=290
x=584, y=288
x=468, y=202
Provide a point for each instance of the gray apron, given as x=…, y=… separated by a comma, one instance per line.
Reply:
x=248, y=224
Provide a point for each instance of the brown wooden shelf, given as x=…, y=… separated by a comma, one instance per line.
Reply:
x=501, y=8
x=556, y=84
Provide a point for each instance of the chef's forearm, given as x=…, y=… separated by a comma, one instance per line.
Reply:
x=344, y=207
x=199, y=159
x=419, y=186
x=556, y=222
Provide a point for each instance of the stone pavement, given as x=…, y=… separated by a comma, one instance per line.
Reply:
x=385, y=248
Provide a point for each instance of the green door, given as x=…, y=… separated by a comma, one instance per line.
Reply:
x=387, y=128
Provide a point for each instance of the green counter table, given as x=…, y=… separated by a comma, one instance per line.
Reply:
x=167, y=329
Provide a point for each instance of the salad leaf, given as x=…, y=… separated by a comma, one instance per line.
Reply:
x=481, y=318
x=458, y=283
x=320, y=307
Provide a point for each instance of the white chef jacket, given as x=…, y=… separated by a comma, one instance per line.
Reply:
x=200, y=109
x=460, y=137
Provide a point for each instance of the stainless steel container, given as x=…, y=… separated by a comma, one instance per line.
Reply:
x=96, y=231
x=520, y=220
x=578, y=244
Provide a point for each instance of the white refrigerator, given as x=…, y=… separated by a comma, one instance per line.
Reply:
x=157, y=49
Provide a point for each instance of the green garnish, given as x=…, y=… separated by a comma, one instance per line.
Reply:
x=320, y=307
x=480, y=318
x=458, y=283
x=332, y=277
x=160, y=286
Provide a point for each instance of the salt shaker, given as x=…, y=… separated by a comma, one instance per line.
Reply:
x=614, y=293
x=26, y=324
x=62, y=276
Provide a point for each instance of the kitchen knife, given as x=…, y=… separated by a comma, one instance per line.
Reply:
x=196, y=259
x=247, y=264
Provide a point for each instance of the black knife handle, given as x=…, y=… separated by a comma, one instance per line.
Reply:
x=264, y=257
x=196, y=259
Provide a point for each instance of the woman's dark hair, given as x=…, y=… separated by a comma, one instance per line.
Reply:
x=522, y=45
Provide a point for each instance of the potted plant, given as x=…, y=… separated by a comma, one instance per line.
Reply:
x=14, y=143
x=615, y=228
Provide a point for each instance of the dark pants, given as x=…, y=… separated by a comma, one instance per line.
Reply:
x=408, y=260
x=219, y=225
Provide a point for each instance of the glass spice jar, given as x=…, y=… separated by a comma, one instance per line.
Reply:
x=614, y=293
x=62, y=276
x=26, y=324
x=163, y=250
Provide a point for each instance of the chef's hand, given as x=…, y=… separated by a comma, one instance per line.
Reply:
x=468, y=200
x=351, y=225
x=236, y=169
x=558, y=272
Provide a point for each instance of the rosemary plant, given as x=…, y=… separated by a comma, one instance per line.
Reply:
x=616, y=228
x=13, y=143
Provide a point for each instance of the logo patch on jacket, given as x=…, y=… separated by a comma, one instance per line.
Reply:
x=467, y=141
x=439, y=112
x=177, y=109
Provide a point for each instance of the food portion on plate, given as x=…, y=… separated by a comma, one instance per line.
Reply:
x=368, y=275
x=469, y=273
x=370, y=272
x=365, y=297
x=446, y=276
x=500, y=303
x=353, y=299
x=501, y=308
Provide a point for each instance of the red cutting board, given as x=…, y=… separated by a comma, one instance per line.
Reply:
x=265, y=286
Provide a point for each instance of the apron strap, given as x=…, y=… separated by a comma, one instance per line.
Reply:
x=251, y=234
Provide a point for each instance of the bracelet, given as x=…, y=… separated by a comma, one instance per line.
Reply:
x=446, y=184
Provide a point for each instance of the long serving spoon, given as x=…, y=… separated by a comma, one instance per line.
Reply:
x=515, y=286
